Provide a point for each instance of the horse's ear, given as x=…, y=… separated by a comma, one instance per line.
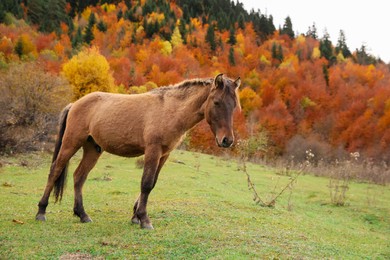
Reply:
x=237, y=82
x=218, y=81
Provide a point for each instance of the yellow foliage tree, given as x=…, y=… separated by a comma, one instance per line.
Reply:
x=240, y=43
x=108, y=7
x=176, y=39
x=316, y=53
x=156, y=17
x=340, y=57
x=24, y=46
x=166, y=48
x=249, y=100
x=264, y=60
x=301, y=39
x=86, y=13
x=87, y=72
x=290, y=62
x=142, y=89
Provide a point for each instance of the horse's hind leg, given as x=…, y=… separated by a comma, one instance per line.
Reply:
x=90, y=156
x=56, y=169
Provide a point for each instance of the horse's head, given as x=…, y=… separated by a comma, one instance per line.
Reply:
x=220, y=105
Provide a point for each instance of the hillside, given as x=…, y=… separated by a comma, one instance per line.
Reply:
x=300, y=91
x=201, y=208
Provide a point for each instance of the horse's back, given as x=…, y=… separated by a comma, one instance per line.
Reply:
x=111, y=105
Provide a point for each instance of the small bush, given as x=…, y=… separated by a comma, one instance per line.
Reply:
x=338, y=191
x=254, y=146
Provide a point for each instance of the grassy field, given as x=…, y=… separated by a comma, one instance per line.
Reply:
x=201, y=208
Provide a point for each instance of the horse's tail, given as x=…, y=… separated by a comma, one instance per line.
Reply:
x=59, y=184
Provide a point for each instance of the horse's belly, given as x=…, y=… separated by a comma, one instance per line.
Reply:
x=125, y=150
x=137, y=147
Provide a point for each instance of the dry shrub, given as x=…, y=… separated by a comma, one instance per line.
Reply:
x=335, y=163
x=298, y=146
x=30, y=101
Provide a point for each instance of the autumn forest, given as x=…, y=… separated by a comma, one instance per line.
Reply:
x=298, y=92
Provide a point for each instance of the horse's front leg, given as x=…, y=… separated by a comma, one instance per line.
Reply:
x=153, y=164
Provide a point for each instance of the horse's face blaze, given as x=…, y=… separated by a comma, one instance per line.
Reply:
x=219, y=110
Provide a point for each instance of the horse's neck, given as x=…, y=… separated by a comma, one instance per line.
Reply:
x=191, y=109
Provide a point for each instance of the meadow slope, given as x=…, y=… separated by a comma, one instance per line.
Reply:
x=201, y=208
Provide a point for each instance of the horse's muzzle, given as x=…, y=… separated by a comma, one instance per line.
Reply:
x=225, y=142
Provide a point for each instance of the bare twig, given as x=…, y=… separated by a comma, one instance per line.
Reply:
x=251, y=186
x=256, y=197
x=293, y=179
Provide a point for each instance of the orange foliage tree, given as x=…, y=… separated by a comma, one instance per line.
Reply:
x=288, y=90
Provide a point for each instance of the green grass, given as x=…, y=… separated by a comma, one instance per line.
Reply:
x=200, y=208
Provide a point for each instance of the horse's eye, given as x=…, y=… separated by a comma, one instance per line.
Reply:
x=216, y=103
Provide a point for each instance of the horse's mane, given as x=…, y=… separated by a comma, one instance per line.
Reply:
x=183, y=86
x=184, y=89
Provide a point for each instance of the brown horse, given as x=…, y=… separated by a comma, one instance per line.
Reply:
x=152, y=124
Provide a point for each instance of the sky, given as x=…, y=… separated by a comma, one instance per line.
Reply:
x=363, y=22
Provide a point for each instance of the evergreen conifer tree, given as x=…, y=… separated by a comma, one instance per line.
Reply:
x=10, y=6
x=232, y=60
x=119, y=15
x=47, y=14
x=326, y=47
x=277, y=52
x=77, y=38
x=288, y=28
x=342, y=45
x=241, y=21
x=325, y=71
x=19, y=47
x=210, y=37
x=102, y=26
x=88, y=37
x=232, y=36
x=183, y=30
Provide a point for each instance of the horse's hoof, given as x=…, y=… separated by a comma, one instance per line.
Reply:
x=135, y=220
x=147, y=226
x=86, y=219
x=40, y=217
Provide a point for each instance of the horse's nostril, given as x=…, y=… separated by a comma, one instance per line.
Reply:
x=225, y=141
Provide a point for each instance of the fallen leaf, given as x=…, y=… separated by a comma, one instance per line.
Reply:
x=17, y=221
